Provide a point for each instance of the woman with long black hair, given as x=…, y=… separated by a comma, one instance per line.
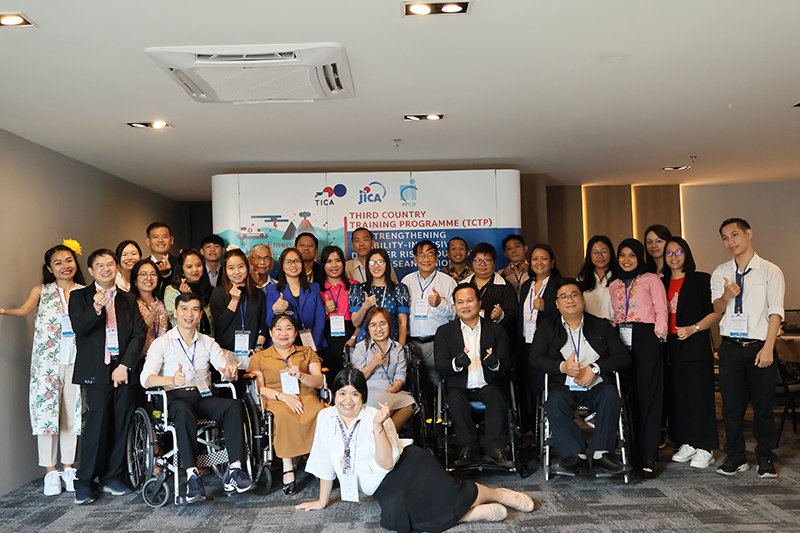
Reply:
x=190, y=275
x=598, y=270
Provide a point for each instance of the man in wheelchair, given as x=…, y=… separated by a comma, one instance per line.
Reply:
x=580, y=352
x=472, y=354
x=180, y=362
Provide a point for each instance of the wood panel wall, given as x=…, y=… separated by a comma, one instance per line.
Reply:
x=656, y=204
x=565, y=227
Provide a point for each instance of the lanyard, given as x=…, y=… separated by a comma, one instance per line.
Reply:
x=286, y=361
x=347, y=438
x=299, y=309
x=576, y=347
x=361, y=273
x=419, y=280
x=186, y=353
x=385, y=367
x=383, y=297
x=538, y=294
x=157, y=323
x=336, y=296
x=628, y=293
x=243, y=312
x=740, y=282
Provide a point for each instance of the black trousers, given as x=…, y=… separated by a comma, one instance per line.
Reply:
x=496, y=416
x=560, y=408
x=105, y=432
x=690, y=400
x=643, y=386
x=185, y=407
x=737, y=364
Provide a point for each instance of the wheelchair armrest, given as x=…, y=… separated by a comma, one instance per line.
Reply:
x=162, y=393
x=226, y=385
x=249, y=375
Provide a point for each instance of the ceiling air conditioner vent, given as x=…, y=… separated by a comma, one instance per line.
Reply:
x=258, y=74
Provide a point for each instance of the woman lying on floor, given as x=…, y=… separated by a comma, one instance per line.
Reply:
x=359, y=445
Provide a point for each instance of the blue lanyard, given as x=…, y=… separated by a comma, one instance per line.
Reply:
x=194, y=350
x=740, y=282
x=157, y=324
x=385, y=368
x=336, y=296
x=298, y=307
x=419, y=280
x=628, y=292
x=533, y=287
x=347, y=439
x=361, y=273
x=576, y=347
x=243, y=312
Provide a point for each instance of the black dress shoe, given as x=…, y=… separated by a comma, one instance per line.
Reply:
x=573, y=464
x=649, y=469
x=466, y=456
x=498, y=457
x=290, y=488
x=607, y=464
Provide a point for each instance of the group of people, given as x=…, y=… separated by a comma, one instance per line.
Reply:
x=175, y=321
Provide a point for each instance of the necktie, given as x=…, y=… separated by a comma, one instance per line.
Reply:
x=111, y=321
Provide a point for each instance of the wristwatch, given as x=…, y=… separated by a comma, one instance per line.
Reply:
x=276, y=395
x=697, y=327
x=595, y=369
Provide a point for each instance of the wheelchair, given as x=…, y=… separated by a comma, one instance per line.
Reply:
x=152, y=447
x=585, y=417
x=445, y=444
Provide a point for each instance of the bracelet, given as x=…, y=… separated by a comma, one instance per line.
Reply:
x=276, y=396
x=378, y=433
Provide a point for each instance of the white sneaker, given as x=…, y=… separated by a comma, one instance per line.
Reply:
x=685, y=453
x=52, y=483
x=68, y=476
x=702, y=459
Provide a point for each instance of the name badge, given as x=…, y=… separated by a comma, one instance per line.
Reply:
x=348, y=487
x=421, y=308
x=739, y=326
x=202, y=387
x=626, y=334
x=113, y=341
x=241, y=343
x=307, y=338
x=572, y=386
x=66, y=326
x=337, y=326
x=530, y=330
x=289, y=384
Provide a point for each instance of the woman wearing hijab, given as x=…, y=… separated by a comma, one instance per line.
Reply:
x=639, y=302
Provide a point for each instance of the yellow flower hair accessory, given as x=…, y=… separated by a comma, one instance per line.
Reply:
x=73, y=245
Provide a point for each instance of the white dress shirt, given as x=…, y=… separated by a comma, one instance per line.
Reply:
x=598, y=300
x=437, y=316
x=762, y=295
x=327, y=451
x=169, y=350
x=472, y=342
x=576, y=341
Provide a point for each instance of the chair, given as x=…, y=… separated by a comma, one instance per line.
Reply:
x=787, y=350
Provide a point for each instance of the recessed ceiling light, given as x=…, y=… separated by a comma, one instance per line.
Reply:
x=413, y=8
x=427, y=116
x=685, y=167
x=155, y=124
x=14, y=20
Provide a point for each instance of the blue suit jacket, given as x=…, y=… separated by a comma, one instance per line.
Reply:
x=311, y=313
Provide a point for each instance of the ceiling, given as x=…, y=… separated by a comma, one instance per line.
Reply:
x=586, y=91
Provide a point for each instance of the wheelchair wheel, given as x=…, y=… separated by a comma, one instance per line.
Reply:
x=139, y=449
x=155, y=495
x=266, y=476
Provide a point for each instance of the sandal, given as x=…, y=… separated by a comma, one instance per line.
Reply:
x=289, y=488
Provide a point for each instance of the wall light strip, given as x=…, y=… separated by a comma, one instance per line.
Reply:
x=585, y=220
x=427, y=116
x=633, y=213
x=154, y=124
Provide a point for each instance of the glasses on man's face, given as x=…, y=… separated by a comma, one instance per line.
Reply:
x=377, y=262
x=376, y=325
x=429, y=255
x=145, y=275
x=263, y=259
x=597, y=253
x=570, y=296
x=482, y=261
x=290, y=262
x=676, y=253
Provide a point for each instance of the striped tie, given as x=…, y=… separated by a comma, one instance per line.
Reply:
x=111, y=321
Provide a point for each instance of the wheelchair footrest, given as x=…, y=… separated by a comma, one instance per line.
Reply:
x=207, y=460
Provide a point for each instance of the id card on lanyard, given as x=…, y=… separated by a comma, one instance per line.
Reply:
x=421, y=306
x=626, y=328
x=337, y=321
x=348, y=481
x=241, y=340
x=530, y=317
x=576, y=347
x=739, y=318
x=201, y=384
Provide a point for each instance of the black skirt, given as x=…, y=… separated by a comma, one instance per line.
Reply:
x=418, y=495
x=333, y=355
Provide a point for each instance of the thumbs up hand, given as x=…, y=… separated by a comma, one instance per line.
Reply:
x=179, y=379
x=434, y=299
x=280, y=306
x=732, y=290
x=571, y=367
x=330, y=305
x=370, y=301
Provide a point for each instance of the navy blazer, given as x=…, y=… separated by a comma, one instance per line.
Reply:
x=311, y=313
x=694, y=304
x=90, y=335
x=449, y=343
x=549, y=297
x=599, y=333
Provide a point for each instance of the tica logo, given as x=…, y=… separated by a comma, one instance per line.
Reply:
x=325, y=197
x=374, y=192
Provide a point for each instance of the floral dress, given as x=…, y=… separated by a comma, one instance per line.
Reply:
x=396, y=303
x=44, y=398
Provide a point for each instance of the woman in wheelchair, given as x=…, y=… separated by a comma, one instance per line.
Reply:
x=288, y=378
x=359, y=445
x=383, y=363
x=180, y=362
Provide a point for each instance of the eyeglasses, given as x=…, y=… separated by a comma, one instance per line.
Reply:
x=376, y=325
x=676, y=253
x=429, y=255
x=290, y=262
x=145, y=275
x=482, y=261
x=264, y=258
x=377, y=262
x=571, y=296
x=604, y=251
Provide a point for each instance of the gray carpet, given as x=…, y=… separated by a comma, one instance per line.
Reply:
x=680, y=499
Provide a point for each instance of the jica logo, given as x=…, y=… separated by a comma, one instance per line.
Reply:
x=374, y=192
x=325, y=197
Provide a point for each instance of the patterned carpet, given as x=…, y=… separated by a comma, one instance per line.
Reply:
x=681, y=499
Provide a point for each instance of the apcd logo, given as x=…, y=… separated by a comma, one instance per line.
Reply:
x=374, y=192
x=328, y=193
x=408, y=194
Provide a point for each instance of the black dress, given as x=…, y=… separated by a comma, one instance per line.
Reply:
x=418, y=495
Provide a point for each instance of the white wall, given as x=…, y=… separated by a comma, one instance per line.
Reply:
x=44, y=198
x=773, y=211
